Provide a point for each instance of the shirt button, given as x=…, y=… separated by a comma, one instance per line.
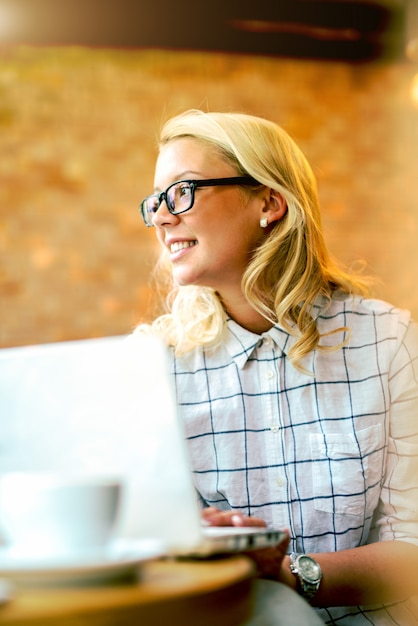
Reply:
x=275, y=428
x=270, y=374
x=267, y=341
x=280, y=481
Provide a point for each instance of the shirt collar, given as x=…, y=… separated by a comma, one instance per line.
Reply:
x=241, y=343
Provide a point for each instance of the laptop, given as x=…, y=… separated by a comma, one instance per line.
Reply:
x=107, y=407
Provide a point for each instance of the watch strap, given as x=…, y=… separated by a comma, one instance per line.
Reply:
x=307, y=587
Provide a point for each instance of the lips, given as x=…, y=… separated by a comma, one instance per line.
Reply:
x=181, y=245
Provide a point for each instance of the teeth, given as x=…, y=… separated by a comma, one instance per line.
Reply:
x=180, y=245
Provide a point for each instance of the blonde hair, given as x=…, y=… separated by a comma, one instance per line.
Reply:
x=292, y=266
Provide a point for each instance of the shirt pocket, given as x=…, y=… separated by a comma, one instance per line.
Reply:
x=347, y=470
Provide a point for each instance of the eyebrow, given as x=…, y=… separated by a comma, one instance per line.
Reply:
x=186, y=175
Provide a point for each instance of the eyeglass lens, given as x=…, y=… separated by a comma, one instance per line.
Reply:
x=178, y=197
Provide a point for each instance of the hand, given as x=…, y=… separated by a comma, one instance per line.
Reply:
x=214, y=517
x=268, y=561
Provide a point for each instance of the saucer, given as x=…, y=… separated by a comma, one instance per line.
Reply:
x=121, y=560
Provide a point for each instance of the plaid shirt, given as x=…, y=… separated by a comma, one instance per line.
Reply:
x=330, y=455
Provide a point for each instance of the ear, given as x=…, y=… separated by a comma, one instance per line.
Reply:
x=275, y=207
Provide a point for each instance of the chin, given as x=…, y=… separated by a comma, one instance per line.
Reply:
x=182, y=282
x=186, y=281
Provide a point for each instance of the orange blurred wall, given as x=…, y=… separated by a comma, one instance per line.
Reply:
x=77, y=145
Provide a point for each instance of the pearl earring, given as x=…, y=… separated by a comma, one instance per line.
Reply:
x=263, y=222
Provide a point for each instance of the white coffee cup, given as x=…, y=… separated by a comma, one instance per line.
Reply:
x=47, y=515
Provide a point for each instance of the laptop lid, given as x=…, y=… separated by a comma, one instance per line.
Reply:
x=104, y=407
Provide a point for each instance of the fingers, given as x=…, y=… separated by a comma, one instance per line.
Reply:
x=268, y=561
x=213, y=517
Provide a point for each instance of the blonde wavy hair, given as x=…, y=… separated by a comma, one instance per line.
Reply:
x=292, y=266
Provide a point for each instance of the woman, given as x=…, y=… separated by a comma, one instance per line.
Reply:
x=298, y=392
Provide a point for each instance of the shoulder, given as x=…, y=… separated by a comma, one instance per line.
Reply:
x=364, y=322
x=358, y=311
x=188, y=362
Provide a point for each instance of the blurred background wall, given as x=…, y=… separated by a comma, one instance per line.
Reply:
x=80, y=110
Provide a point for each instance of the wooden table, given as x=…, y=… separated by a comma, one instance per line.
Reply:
x=185, y=593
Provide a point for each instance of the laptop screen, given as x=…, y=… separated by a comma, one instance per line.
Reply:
x=102, y=406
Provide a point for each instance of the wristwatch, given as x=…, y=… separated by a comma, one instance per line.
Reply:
x=308, y=572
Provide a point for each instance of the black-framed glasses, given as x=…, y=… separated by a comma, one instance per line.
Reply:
x=179, y=196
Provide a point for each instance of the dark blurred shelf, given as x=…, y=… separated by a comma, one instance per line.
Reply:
x=323, y=29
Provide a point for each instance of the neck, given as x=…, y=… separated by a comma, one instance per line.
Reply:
x=245, y=315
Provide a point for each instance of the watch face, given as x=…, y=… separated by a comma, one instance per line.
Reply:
x=309, y=568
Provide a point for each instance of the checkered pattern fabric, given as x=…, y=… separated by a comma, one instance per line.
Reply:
x=332, y=453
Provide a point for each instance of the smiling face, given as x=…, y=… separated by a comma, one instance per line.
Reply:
x=209, y=245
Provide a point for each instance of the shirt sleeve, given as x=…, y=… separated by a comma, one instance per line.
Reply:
x=397, y=515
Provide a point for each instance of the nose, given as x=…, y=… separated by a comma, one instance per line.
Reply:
x=163, y=217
